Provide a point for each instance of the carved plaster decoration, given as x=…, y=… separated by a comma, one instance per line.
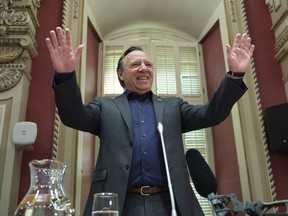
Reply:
x=3, y=31
x=233, y=14
x=9, y=78
x=277, y=4
x=280, y=29
x=281, y=46
x=280, y=20
x=20, y=62
x=269, y=4
x=9, y=16
x=273, y=5
x=12, y=53
x=76, y=9
x=18, y=23
x=36, y=3
x=285, y=78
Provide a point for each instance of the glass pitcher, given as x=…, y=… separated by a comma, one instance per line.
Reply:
x=46, y=196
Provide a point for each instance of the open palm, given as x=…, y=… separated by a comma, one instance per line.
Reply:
x=63, y=58
x=240, y=53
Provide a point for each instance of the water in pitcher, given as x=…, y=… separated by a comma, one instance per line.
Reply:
x=46, y=195
x=44, y=205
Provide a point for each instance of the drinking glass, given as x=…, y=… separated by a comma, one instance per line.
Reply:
x=105, y=204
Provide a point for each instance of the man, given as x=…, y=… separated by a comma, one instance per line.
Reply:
x=130, y=161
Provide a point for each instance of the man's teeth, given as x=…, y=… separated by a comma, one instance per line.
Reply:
x=142, y=78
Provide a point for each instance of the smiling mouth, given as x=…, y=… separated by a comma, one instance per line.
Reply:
x=142, y=78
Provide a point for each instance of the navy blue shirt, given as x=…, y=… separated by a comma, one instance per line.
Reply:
x=147, y=167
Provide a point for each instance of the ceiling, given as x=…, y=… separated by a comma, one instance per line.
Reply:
x=186, y=16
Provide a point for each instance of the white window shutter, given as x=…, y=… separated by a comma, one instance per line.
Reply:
x=190, y=71
x=164, y=65
x=111, y=85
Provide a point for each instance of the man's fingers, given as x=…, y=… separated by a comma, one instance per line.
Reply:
x=54, y=40
x=60, y=36
x=68, y=37
x=228, y=49
x=237, y=41
x=251, y=50
x=49, y=45
x=244, y=43
x=78, y=51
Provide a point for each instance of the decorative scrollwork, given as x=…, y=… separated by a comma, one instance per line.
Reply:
x=9, y=78
x=233, y=13
x=3, y=31
x=76, y=9
x=269, y=4
x=9, y=16
x=36, y=3
x=11, y=55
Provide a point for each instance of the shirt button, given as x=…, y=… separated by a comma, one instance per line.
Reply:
x=145, y=153
x=143, y=135
x=142, y=122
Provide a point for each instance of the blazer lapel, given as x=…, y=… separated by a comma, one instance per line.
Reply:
x=123, y=105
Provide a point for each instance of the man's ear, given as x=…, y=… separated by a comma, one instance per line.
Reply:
x=120, y=73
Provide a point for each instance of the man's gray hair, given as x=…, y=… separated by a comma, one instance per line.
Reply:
x=120, y=65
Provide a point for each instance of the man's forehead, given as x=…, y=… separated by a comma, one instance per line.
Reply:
x=137, y=55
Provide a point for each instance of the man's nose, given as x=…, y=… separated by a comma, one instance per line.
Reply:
x=143, y=67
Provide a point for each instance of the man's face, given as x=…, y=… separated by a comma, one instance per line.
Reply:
x=138, y=72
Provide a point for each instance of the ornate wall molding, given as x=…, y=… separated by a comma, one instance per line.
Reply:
x=18, y=23
x=279, y=15
x=75, y=9
x=270, y=191
x=255, y=148
x=232, y=11
x=280, y=29
x=273, y=5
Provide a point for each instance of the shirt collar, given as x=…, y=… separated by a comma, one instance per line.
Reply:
x=134, y=96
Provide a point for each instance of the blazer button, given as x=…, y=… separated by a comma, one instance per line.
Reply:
x=127, y=167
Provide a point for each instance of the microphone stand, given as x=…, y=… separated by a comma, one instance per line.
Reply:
x=160, y=130
x=219, y=205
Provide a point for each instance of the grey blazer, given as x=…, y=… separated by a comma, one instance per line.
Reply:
x=110, y=119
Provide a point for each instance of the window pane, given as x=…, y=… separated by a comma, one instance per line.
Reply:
x=165, y=70
x=190, y=74
x=111, y=56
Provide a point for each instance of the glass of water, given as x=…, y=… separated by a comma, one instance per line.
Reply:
x=105, y=204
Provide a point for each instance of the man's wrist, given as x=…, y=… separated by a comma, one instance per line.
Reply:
x=235, y=75
x=61, y=77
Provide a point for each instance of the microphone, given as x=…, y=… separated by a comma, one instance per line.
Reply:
x=202, y=176
x=173, y=209
x=204, y=181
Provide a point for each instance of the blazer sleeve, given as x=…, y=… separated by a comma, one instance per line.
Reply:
x=195, y=117
x=73, y=113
